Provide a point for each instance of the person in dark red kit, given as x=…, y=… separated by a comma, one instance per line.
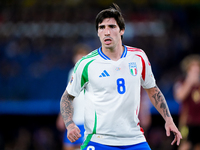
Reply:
x=187, y=93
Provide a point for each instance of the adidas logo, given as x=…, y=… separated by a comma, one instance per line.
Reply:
x=104, y=74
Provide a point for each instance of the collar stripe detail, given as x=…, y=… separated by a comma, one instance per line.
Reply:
x=107, y=58
x=125, y=52
x=102, y=54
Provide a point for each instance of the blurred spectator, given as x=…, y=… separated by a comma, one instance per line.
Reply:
x=23, y=140
x=79, y=51
x=187, y=93
x=44, y=139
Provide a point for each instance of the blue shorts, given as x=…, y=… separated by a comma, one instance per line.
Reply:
x=97, y=146
x=79, y=141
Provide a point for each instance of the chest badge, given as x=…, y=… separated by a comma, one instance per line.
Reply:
x=133, y=68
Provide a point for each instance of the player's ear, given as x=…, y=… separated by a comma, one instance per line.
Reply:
x=122, y=32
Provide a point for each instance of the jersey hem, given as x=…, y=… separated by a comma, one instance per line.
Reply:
x=114, y=141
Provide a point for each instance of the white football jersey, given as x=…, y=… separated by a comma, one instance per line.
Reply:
x=112, y=95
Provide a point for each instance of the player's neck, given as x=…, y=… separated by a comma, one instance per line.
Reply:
x=113, y=53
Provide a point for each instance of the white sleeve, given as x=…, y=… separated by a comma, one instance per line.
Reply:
x=70, y=74
x=147, y=78
x=74, y=84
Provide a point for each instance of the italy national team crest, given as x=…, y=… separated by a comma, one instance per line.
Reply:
x=133, y=68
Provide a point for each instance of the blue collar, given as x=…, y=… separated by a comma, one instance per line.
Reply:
x=107, y=58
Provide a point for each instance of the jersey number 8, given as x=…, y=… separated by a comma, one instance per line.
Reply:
x=121, y=86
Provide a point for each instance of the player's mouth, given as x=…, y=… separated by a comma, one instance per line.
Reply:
x=107, y=41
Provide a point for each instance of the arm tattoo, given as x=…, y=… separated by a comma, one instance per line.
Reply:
x=163, y=106
x=66, y=108
x=157, y=97
x=160, y=100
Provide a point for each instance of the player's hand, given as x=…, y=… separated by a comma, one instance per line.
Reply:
x=171, y=127
x=73, y=133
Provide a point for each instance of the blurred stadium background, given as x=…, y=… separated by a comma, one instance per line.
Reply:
x=36, y=42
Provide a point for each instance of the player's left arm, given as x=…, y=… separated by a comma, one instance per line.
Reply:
x=159, y=102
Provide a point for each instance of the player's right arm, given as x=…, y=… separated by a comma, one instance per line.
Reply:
x=73, y=89
x=66, y=108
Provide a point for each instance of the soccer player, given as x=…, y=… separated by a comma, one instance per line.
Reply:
x=111, y=77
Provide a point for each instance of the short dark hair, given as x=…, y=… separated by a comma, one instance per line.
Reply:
x=111, y=13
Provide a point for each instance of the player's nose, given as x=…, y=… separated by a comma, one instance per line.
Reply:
x=107, y=31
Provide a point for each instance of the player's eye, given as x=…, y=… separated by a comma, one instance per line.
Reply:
x=101, y=27
x=112, y=26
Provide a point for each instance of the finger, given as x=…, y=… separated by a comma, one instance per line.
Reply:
x=78, y=135
x=77, y=132
x=179, y=137
x=175, y=139
x=71, y=139
x=167, y=132
x=75, y=138
x=178, y=141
